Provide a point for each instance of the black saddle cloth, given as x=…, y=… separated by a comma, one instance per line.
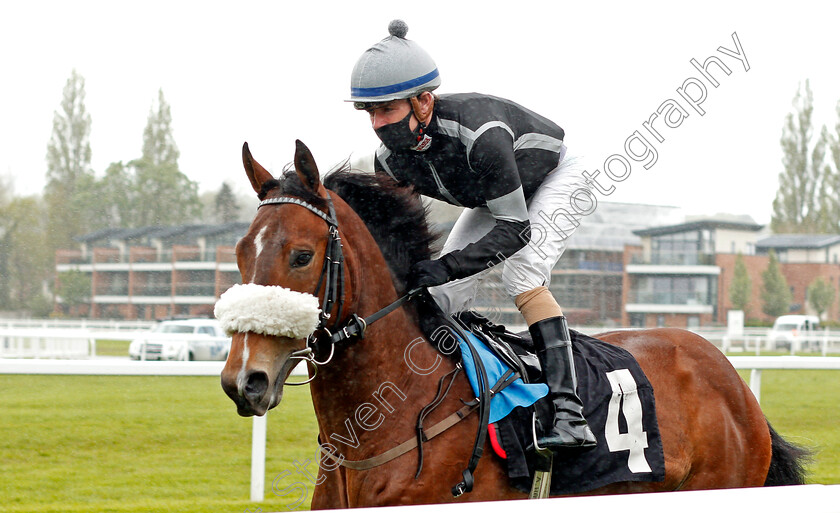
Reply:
x=618, y=405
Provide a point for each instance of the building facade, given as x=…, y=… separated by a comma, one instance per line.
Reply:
x=152, y=272
x=803, y=258
x=680, y=276
x=587, y=281
x=673, y=279
x=626, y=265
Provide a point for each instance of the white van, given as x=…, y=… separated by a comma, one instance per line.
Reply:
x=795, y=332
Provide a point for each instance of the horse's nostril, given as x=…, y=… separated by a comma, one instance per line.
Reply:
x=255, y=385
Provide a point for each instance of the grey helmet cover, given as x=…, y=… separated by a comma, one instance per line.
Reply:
x=393, y=69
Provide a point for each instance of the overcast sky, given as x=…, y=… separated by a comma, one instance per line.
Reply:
x=272, y=72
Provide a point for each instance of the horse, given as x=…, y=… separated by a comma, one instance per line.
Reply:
x=368, y=390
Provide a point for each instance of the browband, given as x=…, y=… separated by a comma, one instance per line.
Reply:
x=299, y=202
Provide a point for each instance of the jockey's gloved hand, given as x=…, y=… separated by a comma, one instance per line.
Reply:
x=429, y=273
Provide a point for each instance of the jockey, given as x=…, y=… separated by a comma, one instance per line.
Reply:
x=510, y=169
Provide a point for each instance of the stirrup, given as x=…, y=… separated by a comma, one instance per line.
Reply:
x=541, y=486
x=578, y=435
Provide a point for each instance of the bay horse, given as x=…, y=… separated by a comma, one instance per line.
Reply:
x=368, y=391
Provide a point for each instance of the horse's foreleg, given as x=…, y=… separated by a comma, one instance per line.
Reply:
x=330, y=493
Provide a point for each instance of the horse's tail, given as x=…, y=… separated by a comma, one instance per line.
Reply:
x=787, y=462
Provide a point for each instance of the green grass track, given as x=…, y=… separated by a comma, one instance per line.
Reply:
x=175, y=444
x=113, y=443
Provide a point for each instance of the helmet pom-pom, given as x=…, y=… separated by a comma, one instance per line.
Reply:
x=398, y=28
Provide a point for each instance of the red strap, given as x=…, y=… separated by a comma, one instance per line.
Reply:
x=494, y=441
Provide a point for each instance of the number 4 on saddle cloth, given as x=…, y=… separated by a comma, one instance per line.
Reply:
x=618, y=405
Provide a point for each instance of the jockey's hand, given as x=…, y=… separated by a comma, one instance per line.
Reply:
x=428, y=273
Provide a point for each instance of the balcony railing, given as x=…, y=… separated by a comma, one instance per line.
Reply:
x=195, y=289
x=112, y=290
x=668, y=298
x=164, y=257
x=673, y=259
x=153, y=290
x=76, y=258
x=590, y=265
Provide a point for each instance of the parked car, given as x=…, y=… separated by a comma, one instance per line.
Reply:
x=189, y=339
x=795, y=332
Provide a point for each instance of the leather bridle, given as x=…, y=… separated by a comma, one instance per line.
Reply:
x=324, y=339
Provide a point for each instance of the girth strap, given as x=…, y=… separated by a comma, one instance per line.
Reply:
x=427, y=434
x=406, y=446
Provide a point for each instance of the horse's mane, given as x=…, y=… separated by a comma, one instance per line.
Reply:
x=394, y=215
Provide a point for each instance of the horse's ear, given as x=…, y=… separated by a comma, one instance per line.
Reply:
x=256, y=173
x=305, y=167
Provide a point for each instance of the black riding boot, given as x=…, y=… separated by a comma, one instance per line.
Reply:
x=554, y=349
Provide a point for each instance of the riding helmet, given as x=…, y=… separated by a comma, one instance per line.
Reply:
x=392, y=69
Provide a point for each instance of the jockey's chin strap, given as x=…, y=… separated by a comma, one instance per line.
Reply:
x=321, y=343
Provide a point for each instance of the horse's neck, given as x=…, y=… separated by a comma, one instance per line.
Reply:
x=373, y=390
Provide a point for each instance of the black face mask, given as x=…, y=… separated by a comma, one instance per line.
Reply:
x=399, y=137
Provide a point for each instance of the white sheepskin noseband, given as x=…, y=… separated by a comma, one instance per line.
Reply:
x=268, y=310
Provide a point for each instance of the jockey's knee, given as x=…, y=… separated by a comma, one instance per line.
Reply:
x=537, y=304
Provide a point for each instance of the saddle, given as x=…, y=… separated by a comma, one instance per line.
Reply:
x=516, y=350
x=618, y=405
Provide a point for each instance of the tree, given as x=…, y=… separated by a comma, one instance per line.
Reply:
x=833, y=172
x=74, y=288
x=25, y=258
x=158, y=141
x=226, y=206
x=740, y=290
x=775, y=294
x=88, y=205
x=801, y=204
x=163, y=195
x=8, y=226
x=68, y=163
x=150, y=190
x=116, y=196
x=820, y=295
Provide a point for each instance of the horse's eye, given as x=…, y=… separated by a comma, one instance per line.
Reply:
x=300, y=259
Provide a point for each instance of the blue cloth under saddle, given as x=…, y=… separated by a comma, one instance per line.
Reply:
x=516, y=394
